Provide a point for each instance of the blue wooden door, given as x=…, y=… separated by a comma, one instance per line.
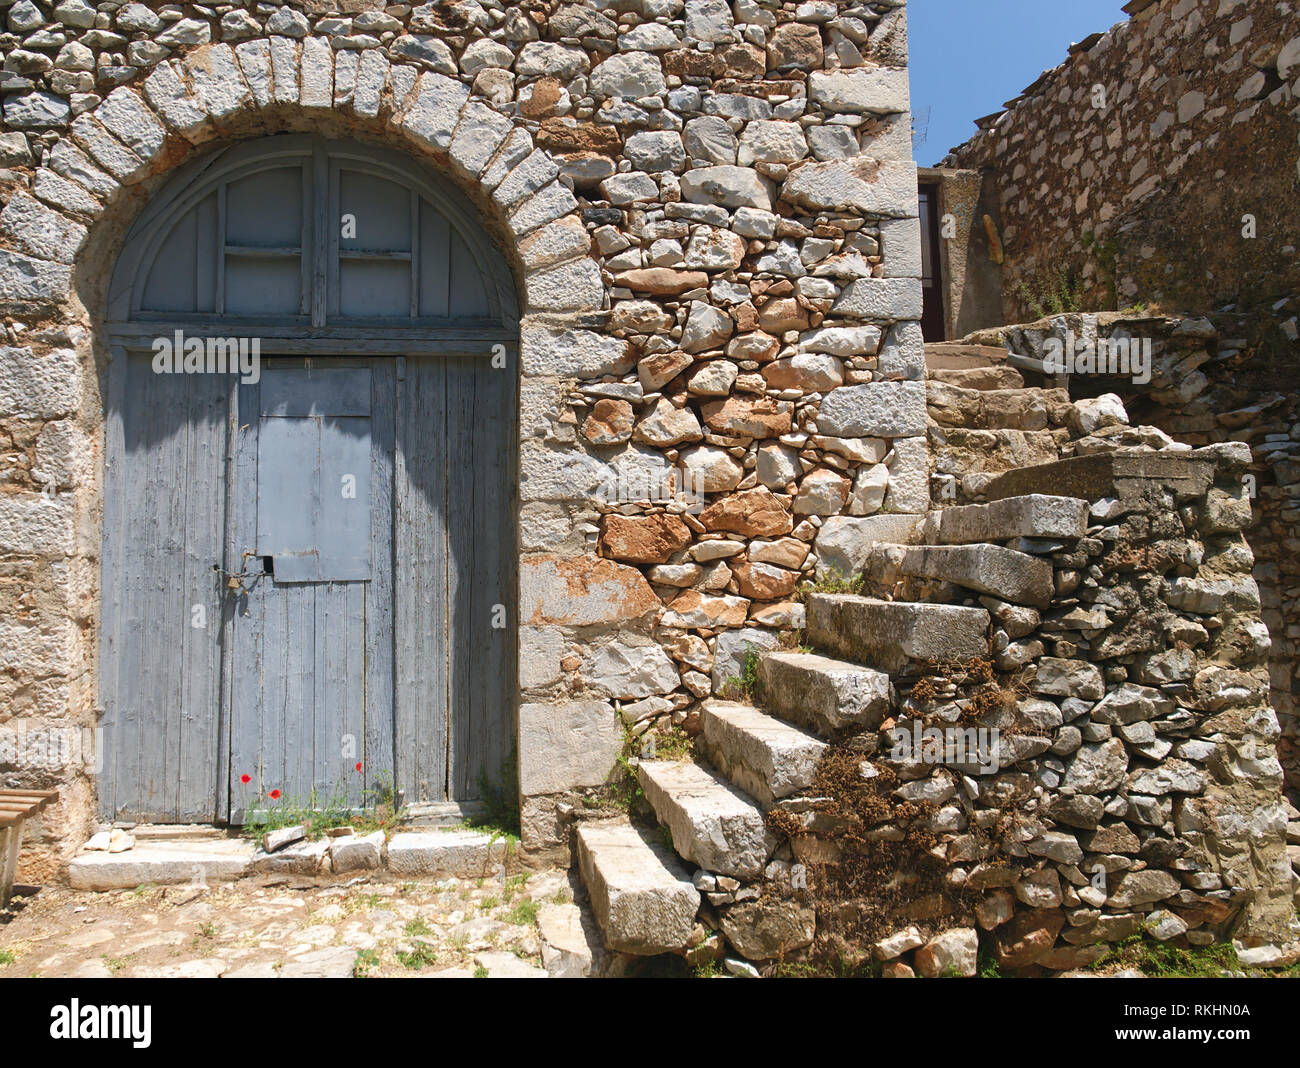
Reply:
x=309, y=582
x=311, y=664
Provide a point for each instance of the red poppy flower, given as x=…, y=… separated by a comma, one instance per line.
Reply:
x=246, y=779
x=274, y=795
x=358, y=765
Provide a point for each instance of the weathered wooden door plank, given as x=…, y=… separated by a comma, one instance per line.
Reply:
x=420, y=581
x=378, y=755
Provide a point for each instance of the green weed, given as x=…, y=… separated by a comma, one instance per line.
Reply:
x=500, y=797
x=367, y=961
x=524, y=914
x=832, y=581
x=1161, y=960
x=747, y=686
x=419, y=957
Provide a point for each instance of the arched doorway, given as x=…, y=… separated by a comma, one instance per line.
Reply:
x=309, y=560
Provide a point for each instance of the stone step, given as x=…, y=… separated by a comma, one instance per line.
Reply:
x=178, y=832
x=459, y=854
x=426, y=814
x=713, y=824
x=1003, y=573
x=996, y=409
x=944, y=355
x=981, y=378
x=766, y=757
x=1114, y=474
x=641, y=894
x=822, y=694
x=1033, y=516
x=163, y=863
x=889, y=635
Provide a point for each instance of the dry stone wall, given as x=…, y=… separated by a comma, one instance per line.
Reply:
x=1157, y=163
x=1126, y=780
x=711, y=212
x=1223, y=378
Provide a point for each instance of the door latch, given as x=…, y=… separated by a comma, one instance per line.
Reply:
x=234, y=580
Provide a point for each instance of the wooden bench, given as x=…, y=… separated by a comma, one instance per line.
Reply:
x=15, y=807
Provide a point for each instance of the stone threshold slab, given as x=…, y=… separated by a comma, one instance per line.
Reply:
x=435, y=853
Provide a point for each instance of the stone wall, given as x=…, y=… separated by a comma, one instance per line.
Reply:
x=1129, y=170
x=1138, y=661
x=1225, y=378
x=1107, y=770
x=711, y=213
x=1139, y=787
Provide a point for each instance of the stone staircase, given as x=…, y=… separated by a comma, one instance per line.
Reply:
x=984, y=417
x=755, y=759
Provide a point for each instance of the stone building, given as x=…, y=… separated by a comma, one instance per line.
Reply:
x=587, y=339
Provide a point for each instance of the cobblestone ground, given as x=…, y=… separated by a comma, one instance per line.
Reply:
x=285, y=927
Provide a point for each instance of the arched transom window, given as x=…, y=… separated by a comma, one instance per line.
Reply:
x=294, y=235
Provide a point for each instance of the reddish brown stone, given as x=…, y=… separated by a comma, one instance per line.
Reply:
x=753, y=513
x=566, y=135
x=662, y=281
x=795, y=46
x=764, y=582
x=790, y=228
x=810, y=373
x=765, y=90
x=782, y=314
x=744, y=61
x=582, y=591
x=610, y=422
x=1028, y=937
x=658, y=370
x=746, y=316
x=748, y=418
x=699, y=610
x=691, y=63
x=650, y=539
x=546, y=95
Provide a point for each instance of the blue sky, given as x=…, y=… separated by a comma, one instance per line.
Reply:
x=968, y=57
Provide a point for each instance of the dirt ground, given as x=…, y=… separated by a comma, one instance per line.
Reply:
x=285, y=927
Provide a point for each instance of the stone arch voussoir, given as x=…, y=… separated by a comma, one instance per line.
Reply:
x=148, y=127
